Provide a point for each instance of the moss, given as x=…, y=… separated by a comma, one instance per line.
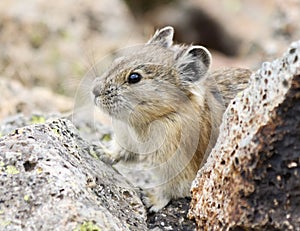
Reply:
x=87, y=226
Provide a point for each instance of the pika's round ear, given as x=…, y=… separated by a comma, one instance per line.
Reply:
x=163, y=37
x=193, y=63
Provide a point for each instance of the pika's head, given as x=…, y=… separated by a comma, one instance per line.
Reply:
x=153, y=80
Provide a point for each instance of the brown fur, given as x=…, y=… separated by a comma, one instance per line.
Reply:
x=173, y=112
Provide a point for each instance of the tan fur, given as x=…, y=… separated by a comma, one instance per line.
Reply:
x=170, y=118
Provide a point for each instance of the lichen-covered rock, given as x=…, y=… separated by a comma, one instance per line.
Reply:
x=172, y=217
x=51, y=180
x=251, y=180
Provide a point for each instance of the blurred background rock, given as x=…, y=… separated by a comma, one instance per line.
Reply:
x=47, y=47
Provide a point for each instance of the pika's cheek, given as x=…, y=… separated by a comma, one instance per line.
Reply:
x=103, y=94
x=112, y=103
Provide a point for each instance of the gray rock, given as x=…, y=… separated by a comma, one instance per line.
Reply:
x=51, y=180
x=251, y=180
x=172, y=217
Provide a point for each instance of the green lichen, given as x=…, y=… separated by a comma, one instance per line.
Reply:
x=37, y=119
x=2, y=164
x=106, y=137
x=56, y=131
x=87, y=226
x=94, y=154
x=4, y=223
x=39, y=170
x=26, y=198
x=11, y=170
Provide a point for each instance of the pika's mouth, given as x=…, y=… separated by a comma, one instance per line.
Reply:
x=108, y=105
x=99, y=102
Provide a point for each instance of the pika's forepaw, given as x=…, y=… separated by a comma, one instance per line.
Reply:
x=104, y=155
x=154, y=200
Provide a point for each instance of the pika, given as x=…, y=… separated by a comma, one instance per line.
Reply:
x=166, y=108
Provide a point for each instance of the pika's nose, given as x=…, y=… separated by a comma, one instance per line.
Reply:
x=96, y=90
x=96, y=87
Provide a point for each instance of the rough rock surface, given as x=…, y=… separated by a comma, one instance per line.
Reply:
x=251, y=180
x=172, y=217
x=51, y=180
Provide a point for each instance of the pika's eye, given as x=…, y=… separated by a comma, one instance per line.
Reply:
x=134, y=78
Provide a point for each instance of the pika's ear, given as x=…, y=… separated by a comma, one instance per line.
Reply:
x=193, y=63
x=163, y=37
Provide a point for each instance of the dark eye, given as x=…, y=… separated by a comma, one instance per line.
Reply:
x=134, y=78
